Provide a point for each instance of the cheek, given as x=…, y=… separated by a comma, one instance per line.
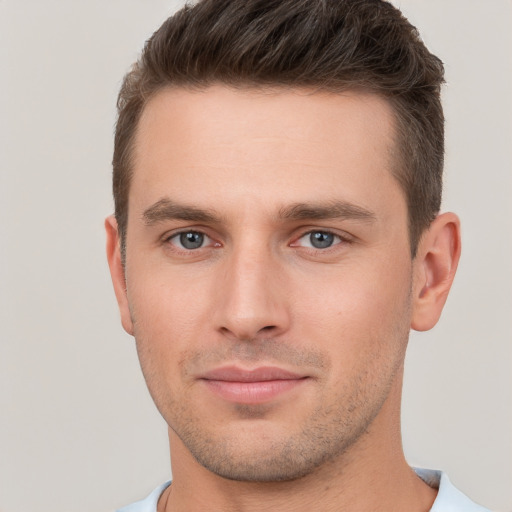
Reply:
x=167, y=311
x=357, y=307
x=166, y=317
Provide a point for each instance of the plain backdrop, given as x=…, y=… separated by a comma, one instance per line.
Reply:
x=78, y=431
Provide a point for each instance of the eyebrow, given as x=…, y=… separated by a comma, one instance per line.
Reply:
x=330, y=210
x=165, y=209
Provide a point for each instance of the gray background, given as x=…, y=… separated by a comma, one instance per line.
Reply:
x=78, y=431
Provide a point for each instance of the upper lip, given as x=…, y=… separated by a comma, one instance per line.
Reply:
x=261, y=374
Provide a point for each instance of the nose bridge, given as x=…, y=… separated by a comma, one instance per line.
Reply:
x=252, y=301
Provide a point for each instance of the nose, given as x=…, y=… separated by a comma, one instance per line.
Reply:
x=252, y=299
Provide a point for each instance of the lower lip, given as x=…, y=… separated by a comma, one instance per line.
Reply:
x=252, y=392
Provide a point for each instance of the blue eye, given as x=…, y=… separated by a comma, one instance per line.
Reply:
x=189, y=240
x=319, y=239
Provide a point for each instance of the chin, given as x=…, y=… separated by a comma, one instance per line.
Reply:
x=261, y=468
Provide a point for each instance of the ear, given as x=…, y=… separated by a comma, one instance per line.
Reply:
x=434, y=269
x=117, y=272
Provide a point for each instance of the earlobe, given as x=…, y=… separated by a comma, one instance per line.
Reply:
x=117, y=272
x=434, y=270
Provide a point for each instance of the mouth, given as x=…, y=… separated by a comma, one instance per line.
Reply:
x=253, y=386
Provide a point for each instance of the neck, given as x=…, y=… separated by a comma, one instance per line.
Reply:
x=372, y=475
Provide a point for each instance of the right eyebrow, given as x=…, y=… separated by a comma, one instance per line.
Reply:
x=165, y=209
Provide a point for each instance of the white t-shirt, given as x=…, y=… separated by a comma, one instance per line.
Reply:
x=449, y=499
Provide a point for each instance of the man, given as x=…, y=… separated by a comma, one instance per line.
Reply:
x=277, y=184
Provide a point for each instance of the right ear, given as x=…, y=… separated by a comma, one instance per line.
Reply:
x=117, y=272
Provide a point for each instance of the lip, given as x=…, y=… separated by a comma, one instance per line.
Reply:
x=254, y=386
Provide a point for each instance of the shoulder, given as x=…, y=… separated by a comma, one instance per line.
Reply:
x=148, y=504
x=449, y=498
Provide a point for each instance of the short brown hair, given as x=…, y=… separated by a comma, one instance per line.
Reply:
x=330, y=45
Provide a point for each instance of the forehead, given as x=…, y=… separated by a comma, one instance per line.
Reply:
x=283, y=143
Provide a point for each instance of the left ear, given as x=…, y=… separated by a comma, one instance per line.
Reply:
x=435, y=264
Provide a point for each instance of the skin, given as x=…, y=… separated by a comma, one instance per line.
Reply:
x=255, y=173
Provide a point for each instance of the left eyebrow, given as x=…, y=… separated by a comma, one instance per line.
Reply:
x=331, y=210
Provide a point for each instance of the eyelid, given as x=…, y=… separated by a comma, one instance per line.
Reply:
x=343, y=237
x=174, y=234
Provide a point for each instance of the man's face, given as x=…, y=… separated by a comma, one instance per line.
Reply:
x=268, y=274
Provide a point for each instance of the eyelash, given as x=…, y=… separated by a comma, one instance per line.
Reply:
x=338, y=240
x=177, y=235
